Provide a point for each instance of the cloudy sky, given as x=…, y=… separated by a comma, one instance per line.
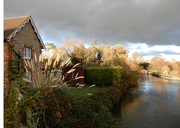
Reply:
x=146, y=26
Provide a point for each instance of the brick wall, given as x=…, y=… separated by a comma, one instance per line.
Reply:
x=7, y=56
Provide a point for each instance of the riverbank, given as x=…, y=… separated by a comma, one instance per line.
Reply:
x=93, y=111
x=167, y=77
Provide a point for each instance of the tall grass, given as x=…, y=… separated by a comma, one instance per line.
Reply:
x=47, y=85
x=33, y=99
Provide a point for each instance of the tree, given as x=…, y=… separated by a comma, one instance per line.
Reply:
x=157, y=63
x=135, y=56
x=94, y=40
x=145, y=65
x=50, y=46
x=119, y=61
x=50, y=50
x=73, y=49
x=178, y=67
x=111, y=52
x=90, y=56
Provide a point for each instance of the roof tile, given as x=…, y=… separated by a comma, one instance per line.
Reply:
x=12, y=24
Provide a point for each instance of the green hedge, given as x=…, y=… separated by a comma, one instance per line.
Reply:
x=103, y=76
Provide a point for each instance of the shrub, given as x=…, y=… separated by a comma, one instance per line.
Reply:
x=94, y=112
x=103, y=119
x=103, y=76
x=84, y=116
x=87, y=118
x=58, y=107
x=129, y=77
x=11, y=107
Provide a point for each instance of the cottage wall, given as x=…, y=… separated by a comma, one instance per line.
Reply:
x=26, y=37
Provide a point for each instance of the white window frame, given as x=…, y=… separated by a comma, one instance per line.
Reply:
x=27, y=53
x=27, y=75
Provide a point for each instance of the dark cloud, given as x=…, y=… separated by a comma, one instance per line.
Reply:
x=155, y=22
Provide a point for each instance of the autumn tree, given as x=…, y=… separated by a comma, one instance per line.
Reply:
x=102, y=55
x=50, y=51
x=119, y=61
x=111, y=52
x=178, y=67
x=94, y=40
x=135, y=56
x=172, y=64
x=157, y=63
x=73, y=49
x=134, y=61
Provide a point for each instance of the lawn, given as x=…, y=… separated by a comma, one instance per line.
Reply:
x=84, y=92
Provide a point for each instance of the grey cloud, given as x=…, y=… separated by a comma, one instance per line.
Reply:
x=154, y=52
x=111, y=21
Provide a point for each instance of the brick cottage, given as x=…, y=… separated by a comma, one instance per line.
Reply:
x=21, y=41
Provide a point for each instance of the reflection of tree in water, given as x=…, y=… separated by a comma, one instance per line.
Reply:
x=129, y=102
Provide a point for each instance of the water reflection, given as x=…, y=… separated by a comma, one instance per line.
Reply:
x=156, y=104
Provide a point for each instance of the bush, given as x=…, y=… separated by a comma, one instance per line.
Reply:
x=84, y=116
x=129, y=77
x=103, y=119
x=58, y=107
x=94, y=112
x=87, y=118
x=10, y=104
x=103, y=76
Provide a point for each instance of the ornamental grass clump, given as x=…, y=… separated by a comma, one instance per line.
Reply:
x=52, y=101
x=42, y=96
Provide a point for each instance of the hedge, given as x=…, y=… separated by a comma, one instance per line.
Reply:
x=103, y=76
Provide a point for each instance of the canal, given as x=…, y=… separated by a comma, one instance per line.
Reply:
x=155, y=104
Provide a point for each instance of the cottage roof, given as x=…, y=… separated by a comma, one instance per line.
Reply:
x=14, y=25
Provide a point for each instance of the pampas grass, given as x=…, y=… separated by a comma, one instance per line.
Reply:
x=76, y=65
x=52, y=77
x=33, y=99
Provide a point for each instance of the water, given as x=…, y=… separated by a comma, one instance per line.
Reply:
x=156, y=104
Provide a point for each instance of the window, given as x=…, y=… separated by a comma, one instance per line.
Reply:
x=27, y=53
x=28, y=75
